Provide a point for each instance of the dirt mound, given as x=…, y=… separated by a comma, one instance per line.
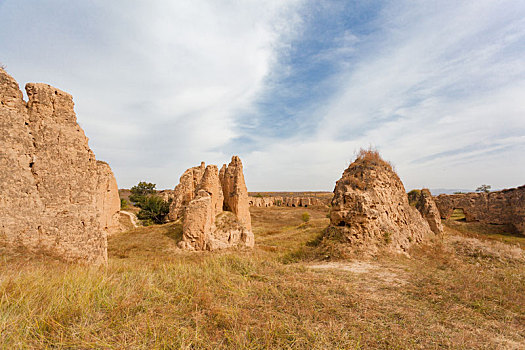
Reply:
x=370, y=208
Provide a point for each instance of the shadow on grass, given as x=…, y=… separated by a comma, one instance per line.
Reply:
x=154, y=240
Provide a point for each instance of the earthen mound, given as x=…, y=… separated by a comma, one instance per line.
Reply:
x=370, y=208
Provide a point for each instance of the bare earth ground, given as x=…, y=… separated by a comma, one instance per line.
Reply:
x=468, y=292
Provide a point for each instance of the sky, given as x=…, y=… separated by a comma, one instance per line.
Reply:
x=295, y=88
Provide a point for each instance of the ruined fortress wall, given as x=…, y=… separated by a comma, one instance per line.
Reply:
x=55, y=198
x=499, y=207
x=108, y=199
x=213, y=207
x=286, y=201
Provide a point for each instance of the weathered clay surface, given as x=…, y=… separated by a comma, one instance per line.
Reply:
x=211, y=184
x=198, y=223
x=217, y=215
x=371, y=211
x=286, y=201
x=235, y=191
x=166, y=195
x=185, y=191
x=428, y=209
x=229, y=231
x=506, y=207
x=108, y=200
x=54, y=194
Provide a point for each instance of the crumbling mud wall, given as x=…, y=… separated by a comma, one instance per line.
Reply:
x=286, y=201
x=108, y=200
x=55, y=197
x=370, y=209
x=185, y=191
x=213, y=207
x=423, y=201
x=506, y=207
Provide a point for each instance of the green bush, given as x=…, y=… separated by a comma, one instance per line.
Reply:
x=153, y=210
x=140, y=192
x=123, y=203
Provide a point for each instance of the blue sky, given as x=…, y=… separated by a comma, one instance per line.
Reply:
x=293, y=87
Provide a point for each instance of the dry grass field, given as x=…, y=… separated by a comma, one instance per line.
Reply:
x=468, y=292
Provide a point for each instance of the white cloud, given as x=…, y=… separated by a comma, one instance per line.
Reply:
x=436, y=82
x=157, y=82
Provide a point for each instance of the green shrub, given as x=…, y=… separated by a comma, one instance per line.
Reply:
x=140, y=192
x=153, y=209
x=123, y=203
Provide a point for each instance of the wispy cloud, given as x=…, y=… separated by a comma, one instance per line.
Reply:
x=435, y=87
x=157, y=85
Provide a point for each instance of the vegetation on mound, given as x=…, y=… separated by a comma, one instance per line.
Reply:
x=371, y=158
x=153, y=295
x=366, y=160
x=413, y=197
x=484, y=188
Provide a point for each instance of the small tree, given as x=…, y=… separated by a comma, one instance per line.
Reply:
x=154, y=210
x=123, y=203
x=140, y=192
x=484, y=188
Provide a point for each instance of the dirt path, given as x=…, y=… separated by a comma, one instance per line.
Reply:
x=132, y=218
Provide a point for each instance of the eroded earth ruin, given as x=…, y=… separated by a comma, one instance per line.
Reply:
x=506, y=207
x=286, y=201
x=213, y=207
x=371, y=211
x=56, y=198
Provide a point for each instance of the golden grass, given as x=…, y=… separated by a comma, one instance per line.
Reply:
x=371, y=157
x=501, y=233
x=153, y=296
x=457, y=215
